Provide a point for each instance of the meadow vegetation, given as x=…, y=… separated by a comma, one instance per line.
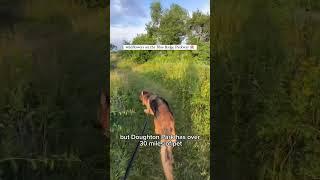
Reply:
x=52, y=69
x=267, y=89
x=181, y=77
x=185, y=85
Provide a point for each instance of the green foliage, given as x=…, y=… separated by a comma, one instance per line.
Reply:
x=203, y=52
x=184, y=83
x=156, y=14
x=126, y=54
x=172, y=27
x=199, y=25
x=92, y=3
x=142, y=56
x=49, y=95
x=267, y=62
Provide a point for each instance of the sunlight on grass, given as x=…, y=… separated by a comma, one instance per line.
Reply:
x=185, y=85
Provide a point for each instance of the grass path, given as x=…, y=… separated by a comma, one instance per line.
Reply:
x=127, y=117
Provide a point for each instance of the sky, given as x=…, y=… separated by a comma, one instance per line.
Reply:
x=128, y=17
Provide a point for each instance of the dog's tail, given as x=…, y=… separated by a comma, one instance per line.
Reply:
x=167, y=161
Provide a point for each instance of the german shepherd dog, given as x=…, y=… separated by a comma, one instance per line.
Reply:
x=163, y=124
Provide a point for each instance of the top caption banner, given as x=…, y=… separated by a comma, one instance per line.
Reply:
x=160, y=47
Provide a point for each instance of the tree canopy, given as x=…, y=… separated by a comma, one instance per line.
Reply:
x=173, y=26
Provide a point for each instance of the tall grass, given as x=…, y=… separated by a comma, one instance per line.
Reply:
x=185, y=85
x=46, y=109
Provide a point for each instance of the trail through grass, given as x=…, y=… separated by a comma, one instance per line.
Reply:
x=185, y=85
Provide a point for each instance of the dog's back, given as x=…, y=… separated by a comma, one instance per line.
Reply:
x=164, y=125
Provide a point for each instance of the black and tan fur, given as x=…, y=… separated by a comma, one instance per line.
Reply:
x=164, y=125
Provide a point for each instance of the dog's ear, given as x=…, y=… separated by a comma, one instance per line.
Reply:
x=143, y=92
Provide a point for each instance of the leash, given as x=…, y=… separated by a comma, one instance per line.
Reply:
x=135, y=151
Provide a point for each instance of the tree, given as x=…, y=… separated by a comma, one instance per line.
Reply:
x=199, y=27
x=143, y=56
x=153, y=26
x=172, y=27
x=113, y=47
x=156, y=12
